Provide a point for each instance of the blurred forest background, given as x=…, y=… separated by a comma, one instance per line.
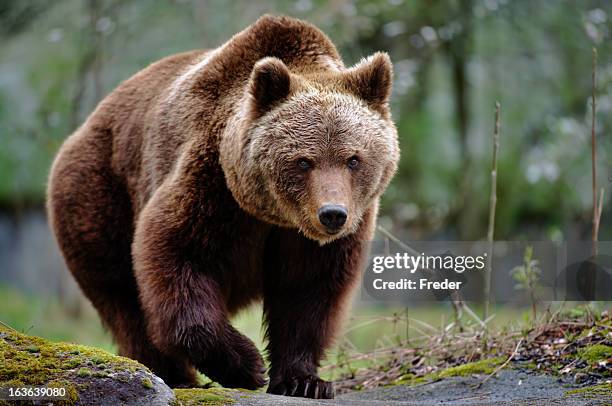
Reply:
x=453, y=59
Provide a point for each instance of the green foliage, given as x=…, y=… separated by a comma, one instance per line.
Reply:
x=452, y=61
x=527, y=277
x=528, y=274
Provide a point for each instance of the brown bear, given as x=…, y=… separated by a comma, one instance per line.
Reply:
x=212, y=179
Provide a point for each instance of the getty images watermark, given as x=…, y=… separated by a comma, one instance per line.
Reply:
x=435, y=270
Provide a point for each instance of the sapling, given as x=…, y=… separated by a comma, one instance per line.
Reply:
x=527, y=276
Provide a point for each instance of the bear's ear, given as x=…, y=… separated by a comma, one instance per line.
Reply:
x=270, y=84
x=371, y=80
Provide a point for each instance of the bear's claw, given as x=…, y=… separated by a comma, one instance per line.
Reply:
x=307, y=387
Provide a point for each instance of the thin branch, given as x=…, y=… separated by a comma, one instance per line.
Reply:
x=493, y=196
x=396, y=240
x=473, y=315
x=595, y=229
x=492, y=207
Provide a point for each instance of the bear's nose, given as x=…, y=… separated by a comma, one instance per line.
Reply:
x=332, y=216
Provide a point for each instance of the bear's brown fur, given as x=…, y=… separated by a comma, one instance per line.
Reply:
x=213, y=179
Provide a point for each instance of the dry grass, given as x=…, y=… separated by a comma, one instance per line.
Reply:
x=552, y=345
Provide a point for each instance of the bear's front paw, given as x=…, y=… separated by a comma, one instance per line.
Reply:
x=309, y=386
x=236, y=364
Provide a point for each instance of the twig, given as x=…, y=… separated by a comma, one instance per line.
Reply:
x=596, y=213
x=360, y=325
x=492, y=206
x=396, y=240
x=502, y=366
x=422, y=323
x=474, y=316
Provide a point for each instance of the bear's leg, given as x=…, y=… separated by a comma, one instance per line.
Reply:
x=187, y=317
x=307, y=287
x=174, y=258
x=91, y=216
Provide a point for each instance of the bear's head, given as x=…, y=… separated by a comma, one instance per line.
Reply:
x=312, y=150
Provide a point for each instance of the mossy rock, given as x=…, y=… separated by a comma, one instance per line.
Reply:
x=88, y=374
x=205, y=397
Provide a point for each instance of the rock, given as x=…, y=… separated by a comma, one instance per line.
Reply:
x=90, y=376
x=580, y=377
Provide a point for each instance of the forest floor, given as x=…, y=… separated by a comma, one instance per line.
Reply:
x=574, y=346
x=565, y=358
x=509, y=387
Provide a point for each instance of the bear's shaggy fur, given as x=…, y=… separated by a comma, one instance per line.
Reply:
x=201, y=184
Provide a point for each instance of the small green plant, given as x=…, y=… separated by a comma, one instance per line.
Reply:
x=527, y=277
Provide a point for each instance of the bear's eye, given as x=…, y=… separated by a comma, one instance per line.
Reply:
x=353, y=162
x=303, y=164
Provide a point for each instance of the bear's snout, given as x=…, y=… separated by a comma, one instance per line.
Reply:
x=333, y=217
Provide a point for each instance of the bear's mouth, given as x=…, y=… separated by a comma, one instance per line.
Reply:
x=332, y=232
x=314, y=230
x=324, y=235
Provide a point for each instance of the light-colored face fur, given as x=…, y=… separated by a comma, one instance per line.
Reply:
x=322, y=145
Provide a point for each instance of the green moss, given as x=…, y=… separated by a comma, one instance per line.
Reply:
x=485, y=366
x=71, y=363
x=71, y=392
x=84, y=372
x=35, y=361
x=26, y=360
x=528, y=365
x=204, y=397
x=100, y=374
x=97, y=360
x=146, y=383
x=595, y=353
x=595, y=391
x=411, y=379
